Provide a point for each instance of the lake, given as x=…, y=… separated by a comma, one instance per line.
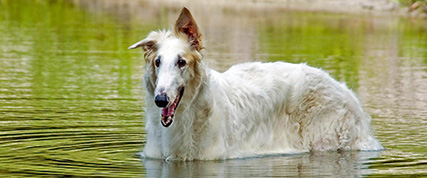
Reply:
x=71, y=100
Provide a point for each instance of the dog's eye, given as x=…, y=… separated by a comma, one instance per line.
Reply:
x=181, y=62
x=157, y=62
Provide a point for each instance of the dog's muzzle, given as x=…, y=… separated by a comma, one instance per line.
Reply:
x=168, y=108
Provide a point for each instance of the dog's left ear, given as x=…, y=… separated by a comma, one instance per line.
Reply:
x=187, y=25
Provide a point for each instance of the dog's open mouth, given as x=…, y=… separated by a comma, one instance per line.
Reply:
x=169, y=111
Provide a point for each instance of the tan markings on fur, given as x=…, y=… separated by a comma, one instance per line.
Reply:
x=301, y=126
x=149, y=46
x=149, y=56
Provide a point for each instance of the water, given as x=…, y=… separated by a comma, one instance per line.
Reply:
x=71, y=100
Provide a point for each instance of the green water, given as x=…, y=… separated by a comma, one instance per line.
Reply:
x=71, y=98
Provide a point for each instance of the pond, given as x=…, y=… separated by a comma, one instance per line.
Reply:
x=71, y=100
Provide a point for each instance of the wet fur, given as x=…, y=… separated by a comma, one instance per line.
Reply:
x=251, y=109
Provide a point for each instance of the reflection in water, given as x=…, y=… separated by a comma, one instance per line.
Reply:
x=70, y=94
x=327, y=164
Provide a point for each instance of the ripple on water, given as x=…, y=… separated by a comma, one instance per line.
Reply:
x=58, y=149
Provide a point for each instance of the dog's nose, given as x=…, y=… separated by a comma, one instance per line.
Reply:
x=161, y=100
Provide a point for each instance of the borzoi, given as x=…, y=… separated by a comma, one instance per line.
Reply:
x=252, y=109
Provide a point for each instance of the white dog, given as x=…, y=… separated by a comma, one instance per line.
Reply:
x=252, y=109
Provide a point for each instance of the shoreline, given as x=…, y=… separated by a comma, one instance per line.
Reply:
x=359, y=7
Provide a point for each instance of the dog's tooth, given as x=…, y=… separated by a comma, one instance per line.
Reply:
x=166, y=120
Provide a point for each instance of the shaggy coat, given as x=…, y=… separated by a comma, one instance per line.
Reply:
x=252, y=109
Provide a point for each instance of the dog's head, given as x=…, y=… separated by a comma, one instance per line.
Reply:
x=171, y=62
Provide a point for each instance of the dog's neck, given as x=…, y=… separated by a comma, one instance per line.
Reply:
x=191, y=117
x=196, y=97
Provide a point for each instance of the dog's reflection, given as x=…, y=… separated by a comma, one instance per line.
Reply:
x=328, y=164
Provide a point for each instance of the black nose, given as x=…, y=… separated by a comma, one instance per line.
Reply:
x=161, y=100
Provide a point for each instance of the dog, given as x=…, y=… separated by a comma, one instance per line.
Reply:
x=252, y=109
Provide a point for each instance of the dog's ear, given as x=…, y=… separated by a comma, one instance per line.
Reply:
x=147, y=44
x=187, y=25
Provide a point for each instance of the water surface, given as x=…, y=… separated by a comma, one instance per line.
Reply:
x=71, y=100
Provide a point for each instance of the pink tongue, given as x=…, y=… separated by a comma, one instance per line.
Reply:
x=168, y=111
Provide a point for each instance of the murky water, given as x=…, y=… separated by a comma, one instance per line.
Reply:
x=71, y=101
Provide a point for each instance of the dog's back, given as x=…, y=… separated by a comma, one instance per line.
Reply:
x=282, y=107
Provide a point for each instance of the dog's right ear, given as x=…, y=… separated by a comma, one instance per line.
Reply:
x=147, y=44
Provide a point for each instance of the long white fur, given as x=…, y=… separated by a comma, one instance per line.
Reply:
x=251, y=109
